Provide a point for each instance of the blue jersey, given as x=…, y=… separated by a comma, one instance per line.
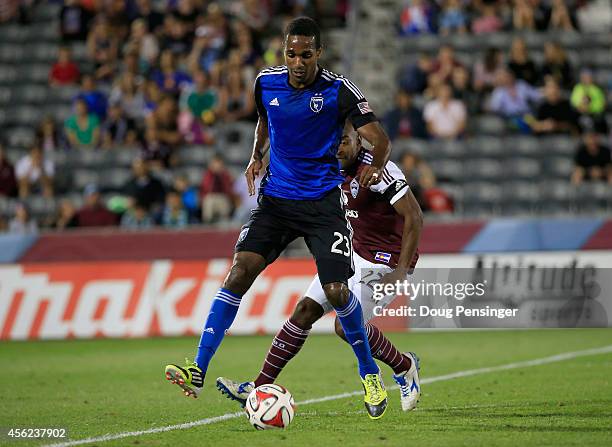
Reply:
x=305, y=127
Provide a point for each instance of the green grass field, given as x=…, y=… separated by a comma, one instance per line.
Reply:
x=113, y=386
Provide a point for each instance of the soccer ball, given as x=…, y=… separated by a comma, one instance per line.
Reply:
x=270, y=406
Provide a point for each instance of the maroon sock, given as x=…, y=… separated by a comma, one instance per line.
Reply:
x=285, y=346
x=383, y=350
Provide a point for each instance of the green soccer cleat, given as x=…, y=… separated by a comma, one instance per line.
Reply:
x=375, y=397
x=189, y=377
x=235, y=390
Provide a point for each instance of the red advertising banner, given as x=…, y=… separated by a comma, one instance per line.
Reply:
x=140, y=299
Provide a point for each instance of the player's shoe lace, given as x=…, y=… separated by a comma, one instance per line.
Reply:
x=235, y=390
x=375, y=395
x=409, y=383
x=189, y=377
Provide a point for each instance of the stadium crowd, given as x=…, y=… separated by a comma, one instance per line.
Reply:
x=162, y=74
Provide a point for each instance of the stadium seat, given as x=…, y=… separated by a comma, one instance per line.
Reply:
x=83, y=177
x=488, y=125
x=520, y=197
x=525, y=146
x=522, y=168
x=563, y=145
x=196, y=155
x=114, y=179
x=447, y=170
x=484, y=169
x=20, y=136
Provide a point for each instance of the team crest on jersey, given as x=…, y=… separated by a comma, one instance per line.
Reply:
x=354, y=188
x=316, y=103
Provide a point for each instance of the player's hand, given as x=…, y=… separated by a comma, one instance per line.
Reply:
x=371, y=175
x=251, y=173
x=393, y=277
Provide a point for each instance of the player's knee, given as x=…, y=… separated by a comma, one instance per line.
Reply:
x=306, y=313
x=243, y=273
x=337, y=294
x=339, y=329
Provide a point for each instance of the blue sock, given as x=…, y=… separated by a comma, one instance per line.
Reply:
x=351, y=319
x=220, y=318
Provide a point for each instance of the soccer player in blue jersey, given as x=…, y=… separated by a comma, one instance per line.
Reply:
x=302, y=110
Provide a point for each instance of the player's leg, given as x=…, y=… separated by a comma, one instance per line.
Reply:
x=404, y=365
x=260, y=242
x=286, y=344
x=329, y=241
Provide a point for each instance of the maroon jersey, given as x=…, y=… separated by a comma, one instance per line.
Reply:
x=377, y=227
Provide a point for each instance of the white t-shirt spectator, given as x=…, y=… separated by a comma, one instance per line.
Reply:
x=24, y=169
x=445, y=121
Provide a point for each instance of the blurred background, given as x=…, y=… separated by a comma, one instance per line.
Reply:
x=125, y=126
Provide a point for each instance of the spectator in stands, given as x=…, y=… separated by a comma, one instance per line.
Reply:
x=74, y=21
x=66, y=216
x=404, y=120
x=157, y=153
x=154, y=18
x=95, y=99
x=237, y=101
x=253, y=13
x=488, y=20
x=8, y=183
x=248, y=48
x=176, y=36
x=452, y=18
x=419, y=176
x=216, y=191
x=22, y=223
x=273, y=55
x=445, y=117
x=414, y=76
x=118, y=130
x=83, y=128
x=554, y=114
x=137, y=218
x=445, y=63
x=144, y=43
x=152, y=96
x=520, y=64
x=94, y=213
x=127, y=94
x=35, y=172
x=461, y=88
x=244, y=201
x=592, y=161
x=588, y=97
x=189, y=196
x=513, y=99
x=174, y=214
x=486, y=73
x=207, y=49
x=64, y=71
x=557, y=65
x=523, y=15
x=144, y=188
x=103, y=49
x=416, y=18
x=202, y=100
x=49, y=136
x=168, y=77
x=117, y=17
x=560, y=18
x=165, y=122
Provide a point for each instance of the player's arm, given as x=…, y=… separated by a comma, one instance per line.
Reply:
x=374, y=134
x=408, y=207
x=260, y=142
x=354, y=107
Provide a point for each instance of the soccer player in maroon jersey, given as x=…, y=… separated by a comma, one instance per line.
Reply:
x=386, y=221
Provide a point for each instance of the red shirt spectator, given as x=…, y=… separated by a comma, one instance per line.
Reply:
x=94, y=213
x=8, y=184
x=64, y=71
x=217, y=179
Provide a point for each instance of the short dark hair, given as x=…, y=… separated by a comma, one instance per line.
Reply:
x=304, y=26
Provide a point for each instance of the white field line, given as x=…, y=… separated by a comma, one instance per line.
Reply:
x=445, y=377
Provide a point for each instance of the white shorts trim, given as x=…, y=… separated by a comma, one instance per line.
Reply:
x=366, y=270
